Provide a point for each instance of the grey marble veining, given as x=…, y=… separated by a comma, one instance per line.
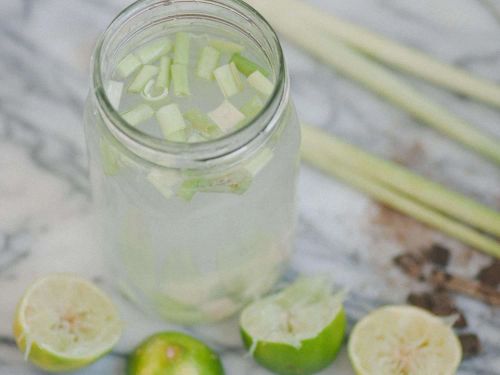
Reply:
x=45, y=212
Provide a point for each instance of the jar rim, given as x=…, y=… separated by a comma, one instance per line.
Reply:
x=145, y=145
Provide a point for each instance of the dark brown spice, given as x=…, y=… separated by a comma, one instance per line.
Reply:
x=471, y=345
x=439, y=303
x=439, y=255
x=490, y=275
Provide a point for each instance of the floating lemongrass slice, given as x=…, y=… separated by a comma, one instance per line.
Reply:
x=145, y=74
x=196, y=137
x=180, y=77
x=226, y=116
x=255, y=165
x=128, y=65
x=151, y=94
x=208, y=62
x=139, y=114
x=202, y=123
x=246, y=66
x=153, y=50
x=228, y=78
x=171, y=121
x=226, y=46
x=260, y=83
x=114, y=91
x=163, y=80
x=164, y=180
x=236, y=182
x=109, y=158
x=179, y=137
x=253, y=107
x=182, y=45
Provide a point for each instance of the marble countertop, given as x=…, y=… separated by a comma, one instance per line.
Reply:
x=45, y=210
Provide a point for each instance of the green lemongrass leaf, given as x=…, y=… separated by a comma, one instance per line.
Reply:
x=182, y=48
x=395, y=176
x=236, y=182
x=246, y=66
x=162, y=83
x=226, y=46
x=128, y=65
x=382, y=81
x=227, y=116
x=208, y=62
x=228, y=79
x=381, y=191
x=114, y=92
x=202, y=123
x=142, y=78
x=170, y=119
x=153, y=50
x=260, y=83
x=180, y=77
x=402, y=57
x=138, y=114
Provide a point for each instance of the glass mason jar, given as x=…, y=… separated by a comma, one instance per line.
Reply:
x=199, y=259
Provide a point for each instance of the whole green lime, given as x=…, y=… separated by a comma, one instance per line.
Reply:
x=174, y=353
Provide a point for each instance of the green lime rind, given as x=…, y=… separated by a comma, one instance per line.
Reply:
x=312, y=356
x=173, y=353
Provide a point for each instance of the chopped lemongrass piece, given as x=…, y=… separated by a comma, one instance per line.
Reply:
x=260, y=83
x=246, y=66
x=381, y=80
x=128, y=65
x=319, y=149
x=163, y=79
x=237, y=182
x=253, y=107
x=226, y=116
x=180, y=78
x=195, y=137
x=182, y=46
x=145, y=74
x=255, y=165
x=149, y=92
x=228, y=78
x=381, y=48
x=397, y=177
x=164, y=180
x=202, y=123
x=139, y=114
x=208, y=62
x=114, y=91
x=171, y=121
x=180, y=136
x=226, y=46
x=109, y=158
x=153, y=50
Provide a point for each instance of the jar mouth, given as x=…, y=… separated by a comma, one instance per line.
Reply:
x=164, y=152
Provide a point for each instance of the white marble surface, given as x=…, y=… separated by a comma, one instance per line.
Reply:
x=45, y=210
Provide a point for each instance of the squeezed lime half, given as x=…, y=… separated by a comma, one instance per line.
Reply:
x=174, y=353
x=404, y=340
x=64, y=322
x=298, y=331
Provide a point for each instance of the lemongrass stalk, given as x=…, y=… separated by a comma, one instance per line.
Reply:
x=143, y=77
x=380, y=80
x=419, y=188
x=400, y=202
x=226, y=46
x=247, y=66
x=384, y=49
x=260, y=83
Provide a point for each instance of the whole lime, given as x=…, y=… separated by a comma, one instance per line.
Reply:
x=174, y=353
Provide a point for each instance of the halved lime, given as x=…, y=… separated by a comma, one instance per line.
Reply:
x=297, y=331
x=64, y=322
x=404, y=340
x=173, y=353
